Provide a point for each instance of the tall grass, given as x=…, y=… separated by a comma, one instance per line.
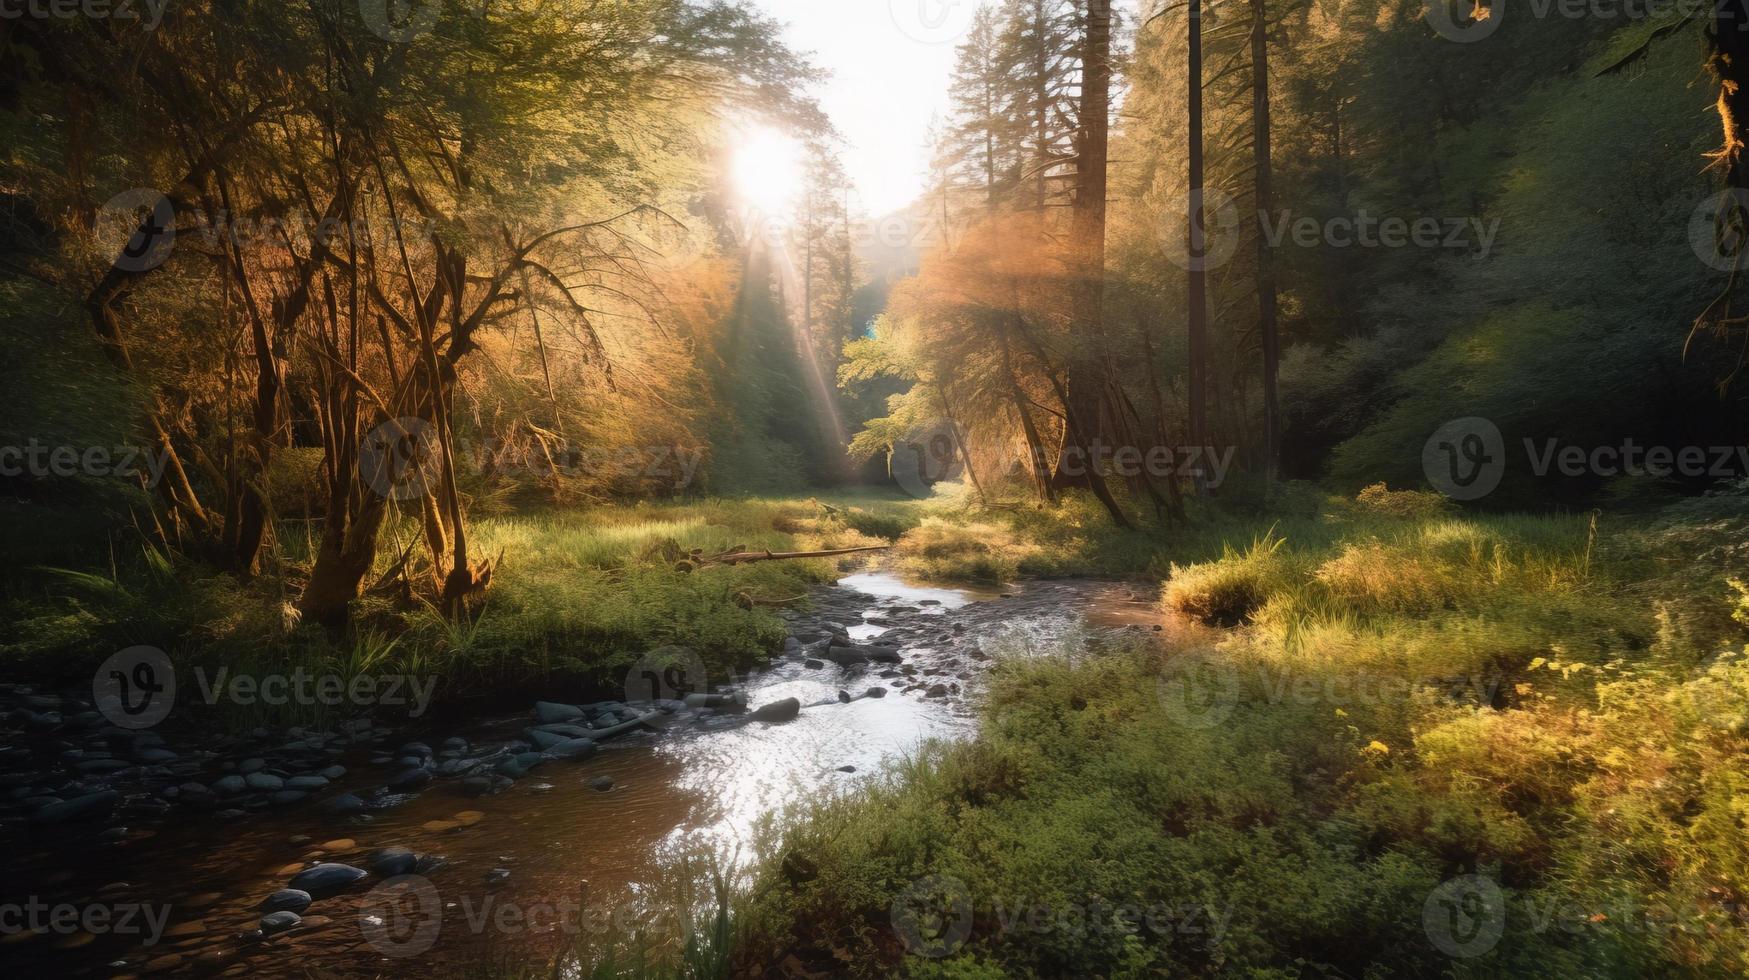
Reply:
x=579, y=595
x=1556, y=704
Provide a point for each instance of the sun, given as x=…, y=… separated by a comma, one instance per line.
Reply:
x=767, y=169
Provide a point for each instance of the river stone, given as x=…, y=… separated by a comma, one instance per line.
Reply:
x=248, y=766
x=813, y=664
x=601, y=783
x=572, y=748
x=937, y=691
x=78, y=808
x=875, y=692
x=476, y=786
x=264, y=781
x=344, y=804
x=562, y=728
x=326, y=877
x=546, y=740
x=409, y=779
x=884, y=655
x=274, y=922
x=306, y=783
x=455, y=767
x=391, y=861
x=778, y=711
x=845, y=656
x=551, y=713
x=285, y=900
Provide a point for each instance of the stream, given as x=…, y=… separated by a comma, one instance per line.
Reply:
x=573, y=849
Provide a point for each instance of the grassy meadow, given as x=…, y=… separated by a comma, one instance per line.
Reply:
x=1369, y=716
x=581, y=594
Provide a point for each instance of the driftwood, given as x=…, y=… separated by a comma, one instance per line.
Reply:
x=687, y=561
x=745, y=557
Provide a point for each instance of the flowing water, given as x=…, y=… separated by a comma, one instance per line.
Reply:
x=552, y=859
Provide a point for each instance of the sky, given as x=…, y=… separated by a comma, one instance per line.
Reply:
x=890, y=61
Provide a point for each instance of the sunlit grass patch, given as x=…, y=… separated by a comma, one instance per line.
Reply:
x=976, y=552
x=1228, y=591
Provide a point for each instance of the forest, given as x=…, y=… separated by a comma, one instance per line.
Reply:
x=935, y=488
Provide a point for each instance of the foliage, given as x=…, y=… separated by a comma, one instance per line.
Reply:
x=1415, y=699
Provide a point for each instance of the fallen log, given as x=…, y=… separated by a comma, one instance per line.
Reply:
x=745, y=557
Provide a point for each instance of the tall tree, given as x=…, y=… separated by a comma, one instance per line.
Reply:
x=1197, y=228
x=1267, y=330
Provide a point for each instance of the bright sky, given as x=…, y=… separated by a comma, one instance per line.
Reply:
x=890, y=61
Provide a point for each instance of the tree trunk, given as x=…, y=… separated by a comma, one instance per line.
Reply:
x=1087, y=370
x=1266, y=301
x=1198, y=232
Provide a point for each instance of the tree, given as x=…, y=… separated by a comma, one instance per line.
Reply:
x=1265, y=200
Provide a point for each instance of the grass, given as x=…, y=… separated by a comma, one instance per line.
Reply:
x=580, y=595
x=1408, y=697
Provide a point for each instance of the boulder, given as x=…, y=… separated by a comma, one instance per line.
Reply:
x=285, y=900
x=326, y=878
x=552, y=713
x=86, y=807
x=388, y=862
x=778, y=711
x=572, y=748
x=274, y=922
